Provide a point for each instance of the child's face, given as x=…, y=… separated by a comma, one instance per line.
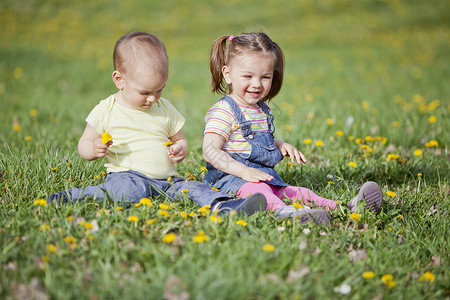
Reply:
x=139, y=89
x=250, y=76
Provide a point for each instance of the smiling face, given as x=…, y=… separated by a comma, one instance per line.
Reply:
x=250, y=76
x=140, y=89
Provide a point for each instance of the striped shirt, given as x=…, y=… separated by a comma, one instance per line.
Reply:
x=221, y=120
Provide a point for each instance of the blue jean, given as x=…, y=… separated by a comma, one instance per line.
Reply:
x=131, y=186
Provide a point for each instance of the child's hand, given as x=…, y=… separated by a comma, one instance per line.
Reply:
x=99, y=149
x=177, y=152
x=289, y=150
x=255, y=175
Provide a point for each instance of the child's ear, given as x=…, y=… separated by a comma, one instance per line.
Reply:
x=226, y=74
x=118, y=79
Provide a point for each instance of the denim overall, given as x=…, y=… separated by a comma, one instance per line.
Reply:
x=264, y=155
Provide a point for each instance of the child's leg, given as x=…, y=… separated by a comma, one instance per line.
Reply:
x=121, y=187
x=273, y=202
x=304, y=195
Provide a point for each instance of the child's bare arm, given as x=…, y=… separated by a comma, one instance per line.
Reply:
x=289, y=150
x=213, y=154
x=90, y=145
x=179, y=148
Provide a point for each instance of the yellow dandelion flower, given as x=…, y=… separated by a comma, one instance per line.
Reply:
x=418, y=152
x=133, y=218
x=268, y=247
x=432, y=143
x=319, y=143
x=50, y=248
x=41, y=202
x=390, y=283
x=330, y=121
x=45, y=258
x=432, y=119
x=33, y=113
x=200, y=237
x=16, y=127
x=70, y=239
x=391, y=194
x=28, y=138
x=241, y=222
x=185, y=191
x=119, y=208
x=368, y=138
x=169, y=238
x=368, y=274
x=168, y=143
x=392, y=156
x=151, y=221
x=106, y=137
x=395, y=124
x=88, y=225
x=164, y=206
x=297, y=205
x=401, y=217
x=365, y=105
x=163, y=213
x=351, y=138
x=138, y=204
x=419, y=175
x=387, y=277
x=307, y=141
x=352, y=164
x=184, y=215
x=192, y=214
x=44, y=227
x=146, y=201
x=204, y=169
x=17, y=73
x=355, y=216
x=390, y=229
x=215, y=219
x=339, y=133
x=204, y=210
x=288, y=127
x=429, y=276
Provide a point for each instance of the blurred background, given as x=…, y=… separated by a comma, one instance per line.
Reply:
x=382, y=60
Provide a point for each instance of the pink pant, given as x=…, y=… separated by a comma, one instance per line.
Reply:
x=274, y=194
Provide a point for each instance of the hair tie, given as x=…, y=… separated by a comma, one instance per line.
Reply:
x=231, y=38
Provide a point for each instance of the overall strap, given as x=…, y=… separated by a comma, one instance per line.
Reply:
x=270, y=117
x=246, y=126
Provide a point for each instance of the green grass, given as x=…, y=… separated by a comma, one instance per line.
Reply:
x=384, y=65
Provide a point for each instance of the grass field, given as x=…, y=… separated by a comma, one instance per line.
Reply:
x=365, y=97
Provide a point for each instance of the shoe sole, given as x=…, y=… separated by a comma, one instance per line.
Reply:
x=256, y=202
x=372, y=194
x=317, y=216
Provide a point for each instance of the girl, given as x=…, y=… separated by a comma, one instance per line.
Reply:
x=238, y=144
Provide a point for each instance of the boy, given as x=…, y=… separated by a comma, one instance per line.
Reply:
x=146, y=136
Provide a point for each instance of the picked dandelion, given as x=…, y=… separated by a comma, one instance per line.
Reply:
x=106, y=137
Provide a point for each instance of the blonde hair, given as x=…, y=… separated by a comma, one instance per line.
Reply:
x=224, y=50
x=135, y=48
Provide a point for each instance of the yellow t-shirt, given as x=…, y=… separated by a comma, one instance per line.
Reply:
x=138, y=137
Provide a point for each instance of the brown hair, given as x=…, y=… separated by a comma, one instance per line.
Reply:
x=139, y=47
x=223, y=51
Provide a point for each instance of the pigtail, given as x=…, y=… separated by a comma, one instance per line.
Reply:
x=278, y=73
x=216, y=62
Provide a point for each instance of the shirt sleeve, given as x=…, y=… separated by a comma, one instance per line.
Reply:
x=176, y=120
x=220, y=120
x=96, y=117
